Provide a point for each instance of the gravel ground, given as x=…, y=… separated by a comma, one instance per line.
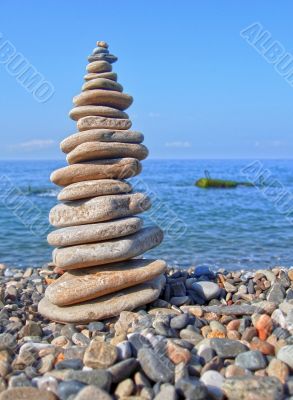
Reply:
x=223, y=335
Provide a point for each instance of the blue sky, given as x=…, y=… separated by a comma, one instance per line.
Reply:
x=200, y=89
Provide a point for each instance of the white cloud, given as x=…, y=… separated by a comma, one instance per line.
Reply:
x=154, y=114
x=178, y=144
x=269, y=143
x=35, y=144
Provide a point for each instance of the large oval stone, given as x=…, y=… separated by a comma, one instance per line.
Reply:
x=96, y=122
x=99, y=66
x=103, y=98
x=102, y=83
x=99, y=150
x=93, y=233
x=26, y=393
x=104, y=307
x=102, y=169
x=107, y=75
x=101, y=111
x=100, y=135
x=87, y=189
x=114, y=250
x=98, y=209
x=89, y=283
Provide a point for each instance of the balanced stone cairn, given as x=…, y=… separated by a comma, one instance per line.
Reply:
x=99, y=237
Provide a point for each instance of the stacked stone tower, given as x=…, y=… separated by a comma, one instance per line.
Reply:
x=99, y=237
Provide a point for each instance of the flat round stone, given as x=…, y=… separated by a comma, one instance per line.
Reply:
x=86, y=111
x=100, y=135
x=104, y=307
x=107, y=75
x=89, y=283
x=98, y=50
x=102, y=83
x=100, y=150
x=87, y=189
x=99, y=66
x=103, y=169
x=95, y=122
x=98, y=209
x=103, y=98
x=110, y=58
x=93, y=233
x=114, y=250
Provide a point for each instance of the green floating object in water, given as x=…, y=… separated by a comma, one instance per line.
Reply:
x=209, y=182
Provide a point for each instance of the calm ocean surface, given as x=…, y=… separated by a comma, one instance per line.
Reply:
x=244, y=227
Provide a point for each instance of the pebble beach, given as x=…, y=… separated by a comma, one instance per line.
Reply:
x=223, y=335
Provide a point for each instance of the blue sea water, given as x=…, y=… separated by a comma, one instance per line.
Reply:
x=246, y=227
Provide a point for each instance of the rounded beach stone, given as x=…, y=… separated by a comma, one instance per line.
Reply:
x=89, y=283
x=86, y=111
x=115, y=250
x=103, y=98
x=99, y=66
x=107, y=75
x=92, y=233
x=101, y=43
x=98, y=209
x=110, y=58
x=98, y=50
x=96, y=122
x=26, y=393
x=100, y=135
x=102, y=83
x=99, y=150
x=104, y=307
x=102, y=169
x=87, y=189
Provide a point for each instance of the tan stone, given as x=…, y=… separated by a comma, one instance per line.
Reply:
x=100, y=355
x=80, y=285
x=177, y=354
x=110, y=251
x=87, y=189
x=99, y=66
x=92, y=233
x=103, y=98
x=85, y=111
x=107, y=75
x=102, y=83
x=98, y=209
x=96, y=122
x=104, y=307
x=103, y=169
x=100, y=135
x=27, y=393
x=102, y=43
x=100, y=150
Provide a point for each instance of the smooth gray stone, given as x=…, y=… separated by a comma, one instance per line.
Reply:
x=285, y=354
x=100, y=50
x=102, y=111
x=252, y=360
x=95, y=188
x=100, y=135
x=93, y=233
x=111, y=251
x=227, y=348
x=156, y=366
x=110, y=58
x=98, y=209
